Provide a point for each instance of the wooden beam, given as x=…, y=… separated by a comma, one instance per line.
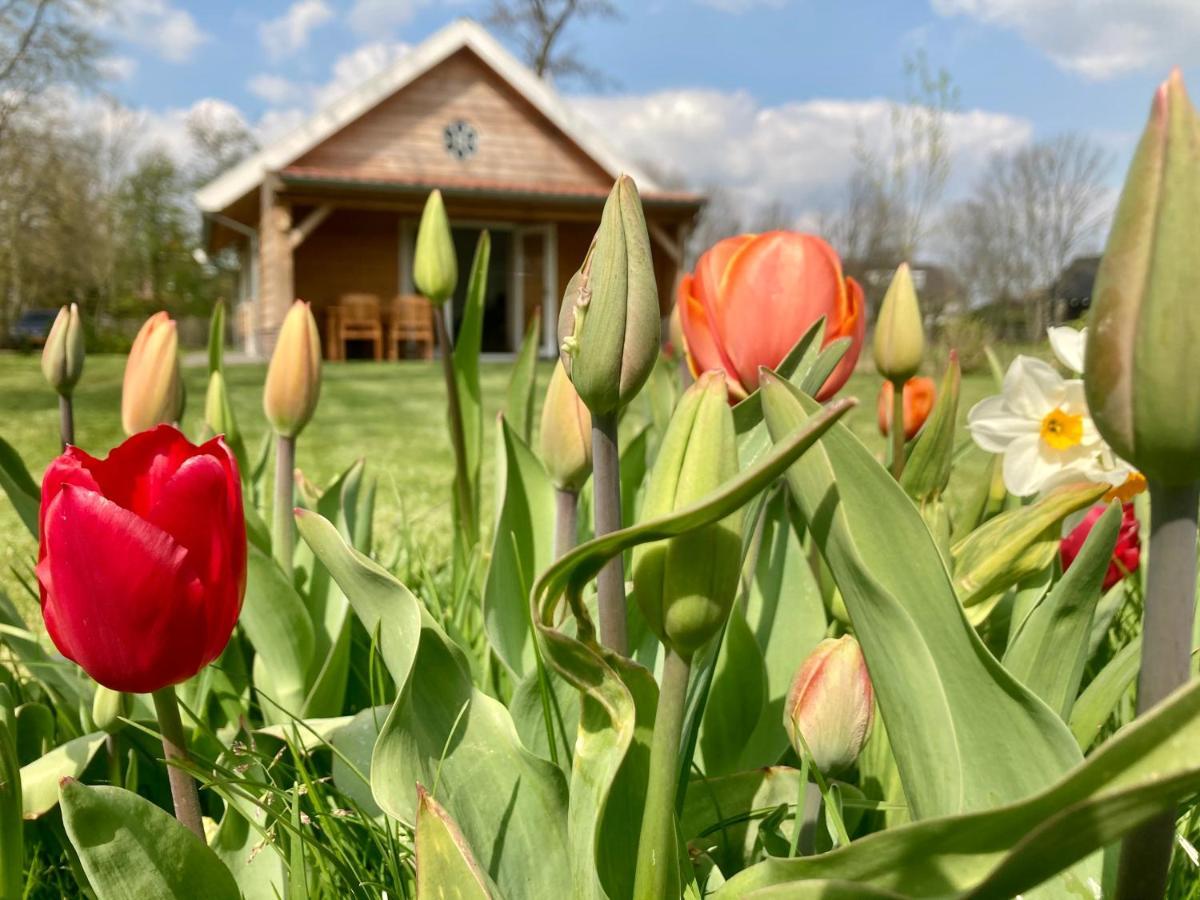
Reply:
x=276, y=288
x=309, y=224
x=673, y=250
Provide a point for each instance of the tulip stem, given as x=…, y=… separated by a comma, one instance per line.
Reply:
x=897, y=429
x=801, y=803
x=183, y=786
x=606, y=497
x=566, y=521
x=657, y=873
x=66, y=420
x=458, y=440
x=283, y=536
x=1167, y=616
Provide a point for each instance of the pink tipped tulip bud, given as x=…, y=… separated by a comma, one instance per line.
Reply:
x=294, y=376
x=62, y=356
x=152, y=393
x=565, y=438
x=831, y=704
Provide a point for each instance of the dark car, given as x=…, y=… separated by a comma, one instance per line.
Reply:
x=31, y=328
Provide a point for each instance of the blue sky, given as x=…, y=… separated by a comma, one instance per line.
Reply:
x=763, y=95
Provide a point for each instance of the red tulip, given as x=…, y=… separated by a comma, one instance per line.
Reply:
x=142, y=562
x=919, y=394
x=753, y=296
x=1126, y=554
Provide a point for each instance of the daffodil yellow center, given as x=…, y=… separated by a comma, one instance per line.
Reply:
x=1062, y=430
x=1130, y=488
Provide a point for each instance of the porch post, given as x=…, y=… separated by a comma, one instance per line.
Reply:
x=276, y=273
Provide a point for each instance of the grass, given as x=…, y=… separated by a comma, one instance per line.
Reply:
x=392, y=414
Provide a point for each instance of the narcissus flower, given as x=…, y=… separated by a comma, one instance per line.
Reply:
x=142, y=558
x=753, y=296
x=1068, y=345
x=152, y=393
x=831, y=703
x=294, y=376
x=1127, y=553
x=919, y=395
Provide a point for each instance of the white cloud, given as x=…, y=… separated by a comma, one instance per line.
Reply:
x=1098, y=39
x=289, y=33
x=155, y=25
x=117, y=68
x=737, y=7
x=275, y=89
x=376, y=16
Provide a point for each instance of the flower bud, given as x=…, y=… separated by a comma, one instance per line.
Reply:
x=62, y=356
x=294, y=376
x=919, y=395
x=831, y=704
x=435, y=266
x=152, y=393
x=899, y=333
x=565, y=438
x=609, y=323
x=108, y=708
x=685, y=585
x=1141, y=378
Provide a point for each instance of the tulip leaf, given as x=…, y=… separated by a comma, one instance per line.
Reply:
x=278, y=625
x=62, y=679
x=951, y=710
x=1049, y=651
x=1093, y=707
x=736, y=699
x=351, y=765
x=522, y=545
x=927, y=470
x=510, y=805
x=446, y=867
x=260, y=873
x=467, y=345
x=1144, y=771
x=216, y=338
x=22, y=490
x=748, y=412
x=522, y=383
x=40, y=778
x=529, y=716
x=12, y=846
x=130, y=848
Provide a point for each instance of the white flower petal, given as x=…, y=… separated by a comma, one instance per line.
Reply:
x=1033, y=388
x=994, y=426
x=1026, y=471
x=1068, y=344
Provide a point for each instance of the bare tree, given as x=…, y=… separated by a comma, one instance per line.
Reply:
x=538, y=26
x=1029, y=214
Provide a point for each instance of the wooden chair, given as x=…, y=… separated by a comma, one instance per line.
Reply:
x=410, y=321
x=358, y=319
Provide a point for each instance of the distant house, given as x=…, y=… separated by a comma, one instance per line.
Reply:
x=331, y=209
x=940, y=291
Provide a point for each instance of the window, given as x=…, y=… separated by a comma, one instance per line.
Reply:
x=460, y=139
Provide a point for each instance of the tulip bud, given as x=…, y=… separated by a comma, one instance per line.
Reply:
x=686, y=584
x=152, y=393
x=919, y=395
x=1142, y=383
x=609, y=324
x=62, y=356
x=565, y=437
x=435, y=266
x=108, y=708
x=294, y=376
x=831, y=703
x=899, y=333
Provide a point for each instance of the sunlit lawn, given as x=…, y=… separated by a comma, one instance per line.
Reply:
x=392, y=414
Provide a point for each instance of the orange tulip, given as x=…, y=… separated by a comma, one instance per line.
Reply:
x=919, y=394
x=753, y=296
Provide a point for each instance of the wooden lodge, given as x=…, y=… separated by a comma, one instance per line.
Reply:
x=329, y=212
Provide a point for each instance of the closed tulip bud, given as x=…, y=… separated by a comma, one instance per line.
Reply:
x=435, y=266
x=1141, y=378
x=899, y=332
x=686, y=584
x=831, y=703
x=62, y=356
x=294, y=376
x=108, y=708
x=565, y=438
x=609, y=326
x=152, y=393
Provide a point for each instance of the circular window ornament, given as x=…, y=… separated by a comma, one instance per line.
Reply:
x=460, y=139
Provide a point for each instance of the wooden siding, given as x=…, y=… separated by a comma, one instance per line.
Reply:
x=402, y=138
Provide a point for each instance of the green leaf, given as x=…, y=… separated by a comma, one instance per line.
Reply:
x=62, y=679
x=255, y=864
x=522, y=383
x=355, y=743
x=216, y=338
x=736, y=699
x=522, y=546
x=953, y=713
x=1145, y=770
x=1050, y=648
x=22, y=490
x=12, y=845
x=1098, y=700
x=927, y=470
x=131, y=849
x=467, y=345
x=446, y=867
x=40, y=778
x=278, y=625
x=529, y=716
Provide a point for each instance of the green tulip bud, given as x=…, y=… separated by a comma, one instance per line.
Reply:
x=1141, y=379
x=108, y=708
x=899, y=333
x=609, y=323
x=831, y=704
x=435, y=267
x=294, y=376
x=686, y=584
x=62, y=356
x=565, y=437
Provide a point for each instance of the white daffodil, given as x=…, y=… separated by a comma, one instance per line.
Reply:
x=1067, y=344
x=1040, y=424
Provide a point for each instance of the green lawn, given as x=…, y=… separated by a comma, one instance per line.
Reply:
x=393, y=414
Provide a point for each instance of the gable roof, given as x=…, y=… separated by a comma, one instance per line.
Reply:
x=236, y=182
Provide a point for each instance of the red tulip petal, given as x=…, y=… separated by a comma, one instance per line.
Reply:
x=134, y=472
